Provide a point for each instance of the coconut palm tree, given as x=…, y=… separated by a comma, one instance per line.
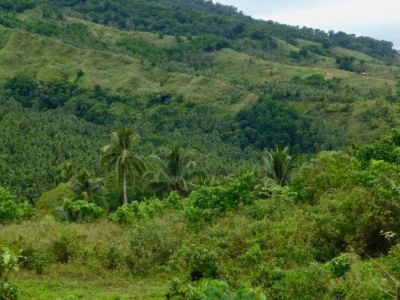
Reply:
x=279, y=165
x=120, y=154
x=175, y=172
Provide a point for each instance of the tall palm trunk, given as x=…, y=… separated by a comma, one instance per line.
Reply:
x=125, y=188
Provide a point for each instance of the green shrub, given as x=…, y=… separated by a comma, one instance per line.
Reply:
x=199, y=261
x=208, y=202
x=10, y=208
x=340, y=265
x=8, y=291
x=175, y=200
x=34, y=260
x=82, y=211
x=151, y=246
x=302, y=283
x=128, y=214
x=62, y=250
x=113, y=258
x=52, y=201
x=328, y=171
x=211, y=290
x=9, y=262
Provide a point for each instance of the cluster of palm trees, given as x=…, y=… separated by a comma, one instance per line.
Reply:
x=173, y=170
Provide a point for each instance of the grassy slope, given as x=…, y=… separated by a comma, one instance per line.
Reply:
x=48, y=58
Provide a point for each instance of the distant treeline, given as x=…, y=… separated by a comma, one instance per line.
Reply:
x=198, y=17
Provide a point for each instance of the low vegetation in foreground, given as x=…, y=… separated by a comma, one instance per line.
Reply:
x=160, y=227
x=178, y=149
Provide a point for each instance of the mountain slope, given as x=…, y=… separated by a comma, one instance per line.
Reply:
x=212, y=89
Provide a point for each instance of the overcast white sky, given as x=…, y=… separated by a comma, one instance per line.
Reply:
x=376, y=18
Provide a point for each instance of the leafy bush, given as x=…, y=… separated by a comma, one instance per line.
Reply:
x=303, y=283
x=327, y=172
x=151, y=246
x=82, y=211
x=34, y=260
x=175, y=200
x=208, y=202
x=340, y=265
x=9, y=262
x=212, y=290
x=199, y=261
x=8, y=291
x=128, y=214
x=62, y=249
x=385, y=149
x=113, y=258
x=10, y=208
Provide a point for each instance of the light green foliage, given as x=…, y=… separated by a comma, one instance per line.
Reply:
x=10, y=208
x=9, y=262
x=212, y=290
x=51, y=202
x=82, y=211
x=136, y=211
x=209, y=202
x=340, y=265
x=329, y=170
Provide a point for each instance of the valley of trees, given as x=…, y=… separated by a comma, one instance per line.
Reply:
x=182, y=150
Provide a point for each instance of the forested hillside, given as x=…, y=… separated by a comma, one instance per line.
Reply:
x=154, y=140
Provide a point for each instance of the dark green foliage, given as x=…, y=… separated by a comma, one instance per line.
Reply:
x=271, y=123
x=177, y=17
x=8, y=291
x=17, y=5
x=87, y=187
x=349, y=63
x=44, y=96
x=380, y=49
x=34, y=144
x=91, y=105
